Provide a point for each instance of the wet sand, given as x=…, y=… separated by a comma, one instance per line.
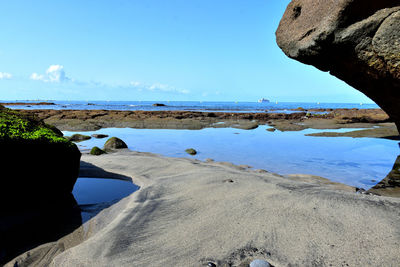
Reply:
x=189, y=213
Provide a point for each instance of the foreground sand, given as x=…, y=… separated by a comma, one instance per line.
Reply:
x=189, y=212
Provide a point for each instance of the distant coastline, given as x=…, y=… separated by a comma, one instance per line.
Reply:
x=202, y=106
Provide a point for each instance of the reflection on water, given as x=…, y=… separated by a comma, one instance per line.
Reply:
x=93, y=194
x=353, y=161
x=390, y=185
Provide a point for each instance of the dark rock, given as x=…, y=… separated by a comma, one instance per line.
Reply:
x=114, y=143
x=99, y=135
x=78, y=137
x=355, y=40
x=38, y=164
x=97, y=151
x=248, y=126
x=271, y=129
x=191, y=151
x=22, y=230
x=158, y=105
x=39, y=171
x=211, y=264
x=29, y=104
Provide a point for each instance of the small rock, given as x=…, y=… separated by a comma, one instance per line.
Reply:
x=99, y=135
x=209, y=160
x=158, y=105
x=211, y=115
x=78, y=137
x=259, y=263
x=228, y=181
x=97, y=151
x=191, y=151
x=211, y=264
x=271, y=129
x=114, y=143
x=244, y=166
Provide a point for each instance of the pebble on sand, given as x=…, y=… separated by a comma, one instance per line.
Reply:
x=259, y=263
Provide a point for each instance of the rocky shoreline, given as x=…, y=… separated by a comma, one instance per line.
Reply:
x=299, y=119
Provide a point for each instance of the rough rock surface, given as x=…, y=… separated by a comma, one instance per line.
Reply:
x=357, y=41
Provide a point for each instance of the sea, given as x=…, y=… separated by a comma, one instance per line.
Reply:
x=189, y=105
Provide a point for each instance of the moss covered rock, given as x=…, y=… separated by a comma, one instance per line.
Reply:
x=78, y=137
x=114, y=143
x=97, y=151
x=15, y=126
x=191, y=151
x=38, y=163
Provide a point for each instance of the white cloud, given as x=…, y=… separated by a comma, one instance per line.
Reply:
x=36, y=77
x=135, y=84
x=5, y=75
x=55, y=74
x=158, y=87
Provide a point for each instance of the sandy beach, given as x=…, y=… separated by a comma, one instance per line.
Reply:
x=189, y=213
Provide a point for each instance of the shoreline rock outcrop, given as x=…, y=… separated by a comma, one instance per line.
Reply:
x=39, y=170
x=39, y=164
x=91, y=120
x=358, y=41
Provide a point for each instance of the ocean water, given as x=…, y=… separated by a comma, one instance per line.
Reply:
x=360, y=162
x=189, y=105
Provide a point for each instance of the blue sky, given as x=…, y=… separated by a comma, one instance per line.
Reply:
x=205, y=50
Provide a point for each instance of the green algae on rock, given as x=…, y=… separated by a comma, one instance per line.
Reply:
x=97, y=151
x=15, y=126
x=191, y=151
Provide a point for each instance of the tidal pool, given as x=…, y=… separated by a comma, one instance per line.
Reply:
x=360, y=162
x=96, y=194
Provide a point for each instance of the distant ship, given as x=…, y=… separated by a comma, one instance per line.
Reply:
x=263, y=100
